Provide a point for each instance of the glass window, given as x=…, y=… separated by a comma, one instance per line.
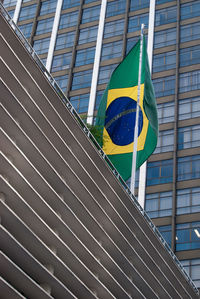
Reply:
x=189, y=108
x=138, y=4
x=64, y=40
x=190, y=55
x=164, y=86
x=188, y=137
x=27, y=12
x=165, y=142
x=188, y=201
x=70, y=3
x=163, y=1
x=190, y=10
x=85, y=56
x=80, y=102
x=190, y=32
x=105, y=73
x=44, y=26
x=159, y=172
x=193, y=269
x=26, y=29
x=135, y=22
x=68, y=20
x=114, y=28
x=159, y=204
x=88, y=35
x=98, y=98
x=130, y=43
x=82, y=79
x=164, y=38
x=11, y=13
x=111, y=50
x=48, y=7
x=61, y=62
x=90, y=14
x=62, y=82
x=41, y=46
x=188, y=168
x=115, y=8
x=165, y=112
x=189, y=81
x=164, y=61
x=8, y=3
x=166, y=232
x=165, y=16
x=187, y=236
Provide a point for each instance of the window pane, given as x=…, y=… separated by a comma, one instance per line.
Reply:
x=90, y=14
x=68, y=20
x=165, y=38
x=64, y=40
x=85, y=56
x=114, y=28
x=165, y=16
x=27, y=12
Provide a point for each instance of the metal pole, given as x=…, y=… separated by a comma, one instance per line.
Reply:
x=132, y=187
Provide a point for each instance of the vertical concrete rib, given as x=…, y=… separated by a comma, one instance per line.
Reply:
x=17, y=11
x=54, y=35
x=143, y=168
x=96, y=62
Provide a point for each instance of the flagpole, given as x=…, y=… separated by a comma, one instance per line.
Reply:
x=133, y=172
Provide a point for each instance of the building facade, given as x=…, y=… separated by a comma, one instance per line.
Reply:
x=81, y=42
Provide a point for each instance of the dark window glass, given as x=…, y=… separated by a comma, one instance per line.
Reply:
x=189, y=81
x=139, y=4
x=165, y=142
x=26, y=29
x=114, y=28
x=164, y=38
x=90, y=14
x=85, y=56
x=88, y=35
x=165, y=16
x=131, y=43
x=80, y=102
x=105, y=73
x=61, y=62
x=135, y=22
x=115, y=8
x=188, y=201
x=64, y=40
x=190, y=10
x=163, y=1
x=166, y=232
x=188, y=168
x=189, y=137
x=44, y=26
x=70, y=3
x=192, y=267
x=11, y=13
x=62, y=82
x=190, y=32
x=190, y=56
x=159, y=172
x=159, y=204
x=164, y=61
x=98, y=98
x=68, y=20
x=27, y=12
x=48, y=7
x=164, y=86
x=165, y=112
x=82, y=79
x=187, y=236
x=111, y=50
x=189, y=108
x=41, y=46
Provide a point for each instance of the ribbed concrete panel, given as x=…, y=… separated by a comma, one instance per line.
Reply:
x=75, y=230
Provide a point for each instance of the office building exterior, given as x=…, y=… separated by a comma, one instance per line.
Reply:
x=81, y=42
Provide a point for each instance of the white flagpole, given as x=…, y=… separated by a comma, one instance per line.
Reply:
x=132, y=186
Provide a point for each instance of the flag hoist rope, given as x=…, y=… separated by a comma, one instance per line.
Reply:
x=133, y=172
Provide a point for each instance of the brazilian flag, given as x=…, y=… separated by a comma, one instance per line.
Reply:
x=117, y=112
